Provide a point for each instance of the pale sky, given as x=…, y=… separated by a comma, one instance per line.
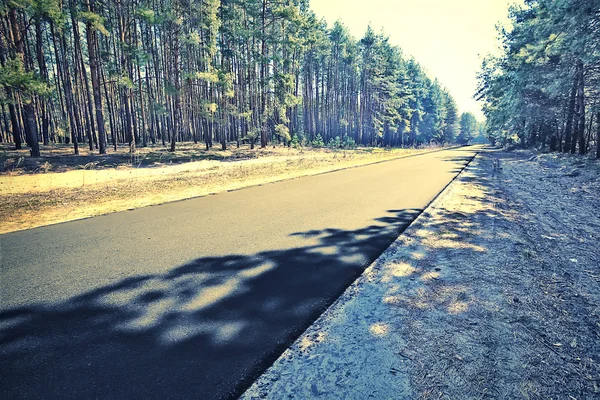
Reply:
x=447, y=37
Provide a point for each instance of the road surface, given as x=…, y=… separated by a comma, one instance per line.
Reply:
x=194, y=299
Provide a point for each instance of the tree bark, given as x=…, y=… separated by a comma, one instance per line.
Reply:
x=44, y=74
x=598, y=135
x=92, y=39
x=570, y=114
x=29, y=120
x=581, y=127
x=263, y=78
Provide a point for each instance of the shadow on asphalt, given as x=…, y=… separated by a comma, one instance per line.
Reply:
x=205, y=330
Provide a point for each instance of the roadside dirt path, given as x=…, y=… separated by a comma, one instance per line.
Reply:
x=494, y=292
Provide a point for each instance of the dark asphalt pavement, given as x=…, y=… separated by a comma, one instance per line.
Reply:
x=194, y=299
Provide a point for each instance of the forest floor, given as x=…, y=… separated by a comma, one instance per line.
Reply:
x=493, y=292
x=62, y=187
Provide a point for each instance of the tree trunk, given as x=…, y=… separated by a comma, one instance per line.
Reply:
x=176, y=85
x=80, y=67
x=29, y=120
x=63, y=70
x=570, y=115
x=44, y=74
x=581, y=128
x=598, y=135
x=263, y=78
x=92, y=39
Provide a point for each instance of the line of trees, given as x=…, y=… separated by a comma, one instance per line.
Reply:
x=139, y=72
x=544, y=90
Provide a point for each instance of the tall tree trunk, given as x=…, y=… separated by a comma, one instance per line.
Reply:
x=92, y=39
x=66, y=78
x=44, y=74
x=10, y=95
x=598, y=135
x=14, y=122
x=29, y=120
x=570, y=114
x=581, y=127
x=177, y=95
x=263, y=77
x=82, y=74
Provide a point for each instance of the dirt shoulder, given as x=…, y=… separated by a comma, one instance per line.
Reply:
x=30, y=200
x=494, y=292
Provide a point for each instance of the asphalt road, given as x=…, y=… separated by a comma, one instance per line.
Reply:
x=194, y=299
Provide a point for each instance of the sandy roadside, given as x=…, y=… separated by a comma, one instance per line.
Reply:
x=494, y=292
x=34, y=200
x=11, y=183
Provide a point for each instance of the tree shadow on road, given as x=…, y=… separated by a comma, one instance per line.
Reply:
x=206, y=329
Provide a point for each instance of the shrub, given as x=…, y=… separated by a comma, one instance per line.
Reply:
x=334, y=143
x=318, y=141
x=295, y=143
x=349, y=143
x=283, y=132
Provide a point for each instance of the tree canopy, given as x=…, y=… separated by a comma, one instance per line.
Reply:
x=227, y=71
x=543, y=90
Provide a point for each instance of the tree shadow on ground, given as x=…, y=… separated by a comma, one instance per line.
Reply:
x=416, y=310
x=206, y=329
x=59, y=157
x=435, y=296
x=480, y=310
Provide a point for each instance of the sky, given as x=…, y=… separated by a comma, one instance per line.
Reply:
x=449, y=38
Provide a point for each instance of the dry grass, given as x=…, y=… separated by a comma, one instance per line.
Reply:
x=36, y=199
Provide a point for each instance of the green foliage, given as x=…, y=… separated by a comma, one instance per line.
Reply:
x=125, y=81
x=348, y=143
x=294, y=142
x=159, y=109
x=253, y=134
x=46, y=10
x=171, y=89
x=147, y=15
x=468, y=128
x=95, y=21
x=334, y=143
x=14, y=76
x=318, y=141
x=549, y=68
x=206, y=76
x=283, y=132
x=451, y=127
x=192, y=38
x=303, y=140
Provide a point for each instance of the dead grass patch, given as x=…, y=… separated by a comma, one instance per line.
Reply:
x=33, y=200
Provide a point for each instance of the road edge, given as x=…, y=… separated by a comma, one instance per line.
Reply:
x=308, y=335
x=236, y=189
